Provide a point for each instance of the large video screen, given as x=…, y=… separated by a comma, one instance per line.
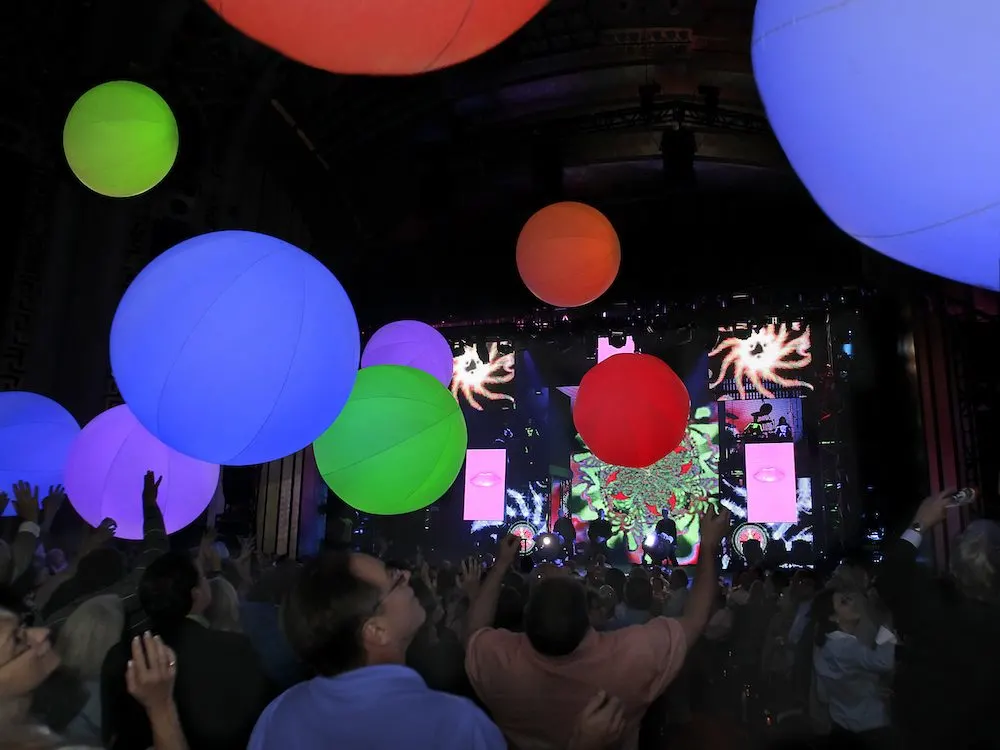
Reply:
x=769, y=360
x=506, y=485
x=683, y=483
x=764, y=470
x=744, y=447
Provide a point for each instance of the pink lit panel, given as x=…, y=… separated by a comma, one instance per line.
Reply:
x=771, y=483
x=605, y=350
x=485, y=484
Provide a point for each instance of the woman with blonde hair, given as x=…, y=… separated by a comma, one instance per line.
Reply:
x=224, y=611
x=83, y=642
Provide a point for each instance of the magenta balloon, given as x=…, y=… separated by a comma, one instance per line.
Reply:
x=105, y=470
x=413, y=344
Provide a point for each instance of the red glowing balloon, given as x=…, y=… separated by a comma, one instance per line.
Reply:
x=568, y=254
x=631, y=410
x=378, y=37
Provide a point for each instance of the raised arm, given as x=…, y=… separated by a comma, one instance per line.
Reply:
x=483, y=608
x=904, y=586
x=22, y=551
x=154, y=544
x=714, y=526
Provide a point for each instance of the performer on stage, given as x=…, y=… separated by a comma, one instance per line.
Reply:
x=666, y=531
x=599, y=531
x=566, y=532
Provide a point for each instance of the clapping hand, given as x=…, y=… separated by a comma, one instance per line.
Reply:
x=600, y=725
x=26, y=502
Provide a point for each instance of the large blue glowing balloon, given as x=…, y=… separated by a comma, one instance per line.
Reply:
x=35, y=436
x=235, y=348
x=890, y=122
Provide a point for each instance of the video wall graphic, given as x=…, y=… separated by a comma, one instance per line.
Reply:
x=745, y=447
x=483, y=374
x=506, y=473
x=761, y=374
x=754, y=360
x=684, y=483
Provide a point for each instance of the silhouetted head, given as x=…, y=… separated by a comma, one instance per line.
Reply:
x=556, y=618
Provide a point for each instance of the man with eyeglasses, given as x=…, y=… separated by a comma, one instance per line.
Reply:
x=351, y=618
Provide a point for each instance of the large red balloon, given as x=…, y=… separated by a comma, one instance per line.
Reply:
x=631, y=410
x=378, y=37
x=568, y=254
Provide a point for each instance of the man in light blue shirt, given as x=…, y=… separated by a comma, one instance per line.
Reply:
x=351, y=619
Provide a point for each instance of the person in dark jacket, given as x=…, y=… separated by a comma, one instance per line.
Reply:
x=946, y=679
x=220, y=689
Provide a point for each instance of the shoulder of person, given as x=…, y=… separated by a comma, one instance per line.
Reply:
x=494, y=638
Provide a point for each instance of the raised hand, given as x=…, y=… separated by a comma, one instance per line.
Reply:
x=150, y=488
x=510, y=545
x=211, y=562
x=248, y=545
x=600, y=725
x=714, y=528
x=468, y=576
x=53, y=500
x=26, y=502
x=4, y=502
x=933, y=510
x=244, y=560
x=151, y=673
x=97, y=538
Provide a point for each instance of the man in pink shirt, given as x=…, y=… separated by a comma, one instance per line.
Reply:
x=536, y=683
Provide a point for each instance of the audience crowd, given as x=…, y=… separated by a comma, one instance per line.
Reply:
x=140, y=646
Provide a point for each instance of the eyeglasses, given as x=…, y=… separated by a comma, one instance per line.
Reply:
x=398, y=579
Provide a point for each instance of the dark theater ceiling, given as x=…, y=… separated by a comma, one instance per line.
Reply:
x=645, y=108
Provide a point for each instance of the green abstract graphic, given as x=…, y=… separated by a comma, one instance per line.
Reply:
x=686, y=481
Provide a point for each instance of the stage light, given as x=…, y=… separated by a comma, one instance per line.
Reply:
x=235, y=348
x=35, y=438
x=105, y=468
x=388, y=37
x=548, y=547
x=897, y=146
x=120, y=139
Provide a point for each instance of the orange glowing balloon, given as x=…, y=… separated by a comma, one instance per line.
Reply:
x=378, y=37
x=568, y=254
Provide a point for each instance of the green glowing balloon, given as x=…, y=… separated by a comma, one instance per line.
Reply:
x=398, y=444
x=120, y=139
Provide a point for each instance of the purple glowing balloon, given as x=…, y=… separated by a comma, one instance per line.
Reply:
x=105, y=469
x=413, y=344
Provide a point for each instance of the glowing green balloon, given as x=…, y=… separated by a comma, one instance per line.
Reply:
x=398, y=444
x=120, y=139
